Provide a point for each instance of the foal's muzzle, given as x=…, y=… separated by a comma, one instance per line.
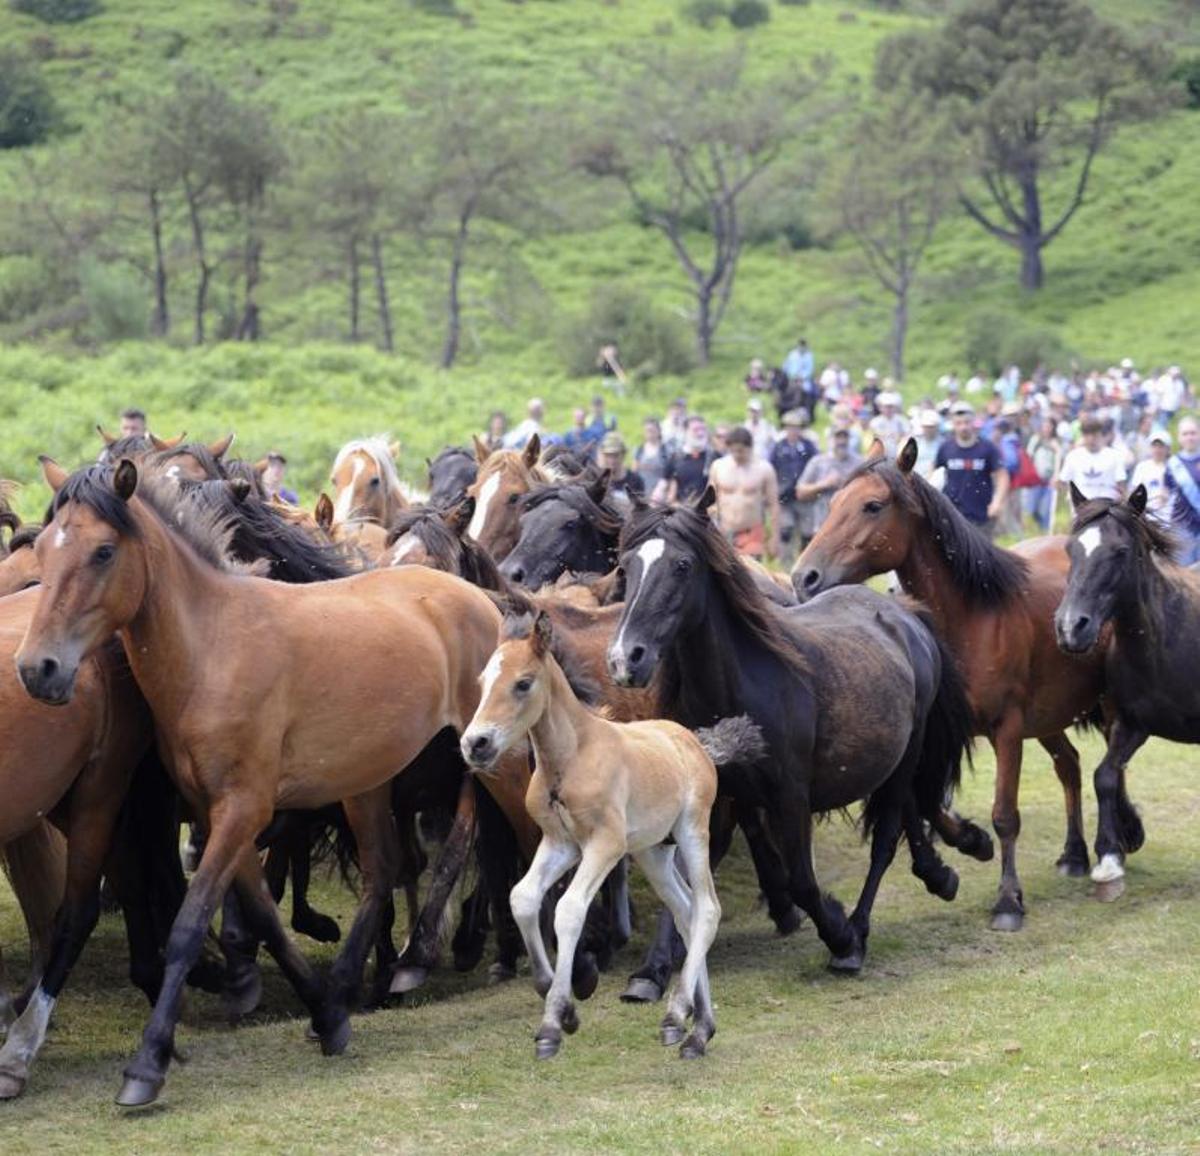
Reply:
x=47, y=680
x=479, y=749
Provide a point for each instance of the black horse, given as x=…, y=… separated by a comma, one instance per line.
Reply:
x=565, y=526
x=450, y=473
x=1123, y=573
x=856, y=697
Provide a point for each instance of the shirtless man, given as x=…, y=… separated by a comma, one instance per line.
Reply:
x=747, y=496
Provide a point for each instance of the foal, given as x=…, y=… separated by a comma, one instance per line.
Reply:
x=601, y=789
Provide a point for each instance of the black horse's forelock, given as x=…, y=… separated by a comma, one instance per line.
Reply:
x=1157, y=539
x=604, y=517
x=986, y=574
x=448, y=452
x=92, y=487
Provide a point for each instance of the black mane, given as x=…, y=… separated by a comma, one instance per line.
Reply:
x=987, y=575
x=1155, y=538
x=603, y=516
x=458, y=555
x=133, y=446
x=211, y=465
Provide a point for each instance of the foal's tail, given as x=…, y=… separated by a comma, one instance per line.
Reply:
x=733, y=740
x=948, y=738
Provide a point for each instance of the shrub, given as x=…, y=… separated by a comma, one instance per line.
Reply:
x=27, y=286
x=749, y=13
x=1187, y=73
x=996, y=340
x=115, y=299
x=28, y=112
x=58, y=11
x=704, y=13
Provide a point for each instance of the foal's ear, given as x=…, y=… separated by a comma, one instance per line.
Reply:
x=105, y=436
x=533, y=451
x=706, y=499
x=599, y=488
x=1078, y=498
x=543, y=632
x=218, y=448
x=907, y=457
x=482, y=453
x=54, y=474
x=323, y=511
x=125, y=479
x=877, y=451
x=1137, y=500
x=458, y=518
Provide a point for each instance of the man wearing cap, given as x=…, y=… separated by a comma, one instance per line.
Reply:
x=824, y=474
x=929, y=441
x=976, y=481
x=1097, y=470
x=762, y=432
x=622, y=483
x=747, y=497
x=687, y=469
x=789, y=455
x=870, y=389
x=888, y=425
x=1183, y=480
x=1151, y=472
x=272, y=480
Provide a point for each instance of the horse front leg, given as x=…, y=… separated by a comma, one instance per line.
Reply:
x=1074, y=859
x=1008, y=912
x=1111, y=830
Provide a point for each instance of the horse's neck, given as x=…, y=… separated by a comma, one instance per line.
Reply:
x=1144, y=606
x=925, y=575
x=706, y=679
x=558, y=734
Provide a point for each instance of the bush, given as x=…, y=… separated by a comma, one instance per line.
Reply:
x=115, y=299
x=28, y=112
x=27, y=286
x=749, y=13
x=704, y=13
x=58, y=11
x=997, y=340
x=652, y=341
x=1187, y=73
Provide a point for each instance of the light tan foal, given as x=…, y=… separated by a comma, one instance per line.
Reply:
x=601, y=789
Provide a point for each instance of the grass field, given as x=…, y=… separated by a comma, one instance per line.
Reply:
x=1080, y=1034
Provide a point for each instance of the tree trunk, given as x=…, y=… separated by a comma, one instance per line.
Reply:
x=453, y=307
x=1031, y=235
x=201, y=260
x=385, y=312
x=248, y=328
x=704, y=325
x=160, y=323
x=354, y=288
x=899, y=331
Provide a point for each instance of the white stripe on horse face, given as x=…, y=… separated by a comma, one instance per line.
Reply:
x=649, y=552
x=60, y=538
x=345, y=500
x=491, y=673
x=405, y=545
x=1090, y=540
x=479, y=518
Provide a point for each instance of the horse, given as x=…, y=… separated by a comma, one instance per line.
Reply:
x=1131, y=605
x=564, y=527
x=287, y=719
x=855, y=694
x=449, y=475
x=504, y=477
x=366, y=486
x=995, y=608
x=601, y=790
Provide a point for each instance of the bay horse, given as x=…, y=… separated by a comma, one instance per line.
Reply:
x=1128, y=603
x=601, y=790
x=995, y=609
x=449, y=475
x=504, y=477
x=855, y=694
x=289, y=718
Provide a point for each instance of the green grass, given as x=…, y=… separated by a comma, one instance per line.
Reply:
x=1080, y=1034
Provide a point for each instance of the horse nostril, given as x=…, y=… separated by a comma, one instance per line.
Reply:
x=479, y=744
x=1081, y=623
x=48, y=667
x=636, y=654
x=812, y=579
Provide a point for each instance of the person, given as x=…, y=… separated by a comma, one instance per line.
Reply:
x=687, y=469
x=824, y=474
x=757, y=380
x=888, y=425
x=799, y=365
x=1172, y=392
x=762, y=432
x=622, y=483
x=272, y=480
x=976, y=481
x=842, y=417
x=1045, y=451
x=133, y=423
x=747, y=509
x=1096, y=469
x=518, y=437
x=789, y=455
x=1183, y=480
x=720, y=432
x=674, y=425
x=929, y=440
x=600, y=423
x=871, y=389
x=497, y=427
x=1151, y=472
x=580, y=438
x=650, y=458
x=612, y=375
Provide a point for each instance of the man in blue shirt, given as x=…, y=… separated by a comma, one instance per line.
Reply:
x=1182, y=479
x=789, y=455
x=976, y=480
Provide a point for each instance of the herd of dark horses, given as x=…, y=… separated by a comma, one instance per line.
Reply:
x=352, y=645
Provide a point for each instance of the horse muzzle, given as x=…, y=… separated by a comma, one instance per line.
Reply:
x=1076, y=633
x=480, y=750
x=631, y=666
x=48, y=680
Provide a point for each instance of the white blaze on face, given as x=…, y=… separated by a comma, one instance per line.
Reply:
x=491, y=672
x=344, y=505
x=479, y=518
x=405, y=545
x=648, y=553
x=1090, y=540
x=60, y=538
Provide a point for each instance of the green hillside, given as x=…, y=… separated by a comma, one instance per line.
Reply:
x=1122, y=279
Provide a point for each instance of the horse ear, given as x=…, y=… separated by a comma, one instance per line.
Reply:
x=54, y=474
x=394, y=450
x=482, y=453
x=323, y=511
x=907, y=457
x=706, y=499
x=1137, y=500
x=239, y=488
x=877, y=451
x=218, y=448
x=598, y=489
x=533, y=451
x=125, y=479
x=638, y=502
x=543, y=632
x=458, y=518
x=260, y=467
x=107, y=438
x=161, y=444
x=1078, y=499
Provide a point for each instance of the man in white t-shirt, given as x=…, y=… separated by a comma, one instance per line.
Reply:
x=1097, y=470
x=1151, y=473
x=889, y=425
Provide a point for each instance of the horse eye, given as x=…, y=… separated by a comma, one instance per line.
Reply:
x=683, y=565
x=872, y=507
x=374, y=481
x=104, y=554
x=522, y=685
x=513, y=499
x=573, y=525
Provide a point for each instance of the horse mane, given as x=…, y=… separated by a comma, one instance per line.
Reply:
x=603, y=516
x=559, y=463
x=520, y=613
x=1157, y=539
x=746, y=602
x=447, y=452
x=211, y=465
x=132, y=446
x=378, y=449
x=987, y=575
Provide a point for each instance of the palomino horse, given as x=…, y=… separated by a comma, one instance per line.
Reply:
x=601, y=790
x=288, y=718
x=504, y=477
x=1123, y=573
x=855, y=696
x=366, y=486
x=995, y=608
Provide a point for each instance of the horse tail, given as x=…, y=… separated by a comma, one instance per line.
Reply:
x=948, y=737
x=733, y=740
x=332, y=840
x=1092, y=720
x=36, y=866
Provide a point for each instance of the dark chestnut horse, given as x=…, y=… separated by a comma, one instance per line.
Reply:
x=995, y=608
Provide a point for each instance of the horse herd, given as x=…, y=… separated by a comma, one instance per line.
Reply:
x=531, y=669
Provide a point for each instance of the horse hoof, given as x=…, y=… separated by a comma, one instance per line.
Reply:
x=406, y=979
x=1110, y=892
x=570, y=1019
x=546, y=1047
x=1109, y=869
x=242, y=997
x=693, y=1048
x=1007, y=920
x=586, y=977
x=670, y=1034
x=946, y=888
x=641, y=990
x=849, y=964
x=322, y=928
x=11, y=1086
x=334, y=1041
x=789, y=922
x=977, y=844
x=1072, y=867
x=501, y=973
x=137, y=1093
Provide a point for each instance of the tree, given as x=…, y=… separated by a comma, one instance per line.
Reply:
x=28, y=111
x=1034, y=88
x=893, y=185
x=689, y=137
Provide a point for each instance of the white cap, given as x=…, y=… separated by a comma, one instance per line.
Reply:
x=1161, y=435
x=871, y=375
x=929, y=418
x=1126, y=362
x=888, y=398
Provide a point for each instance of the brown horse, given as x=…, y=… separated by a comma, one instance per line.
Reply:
x=290, y=717
x=366, y=487
x=505, y=476
x=995, y=608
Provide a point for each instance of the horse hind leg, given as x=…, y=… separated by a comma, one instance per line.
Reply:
x=1074, y=858
x=964, y=836
x=1008, y=912
x=927, y=865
